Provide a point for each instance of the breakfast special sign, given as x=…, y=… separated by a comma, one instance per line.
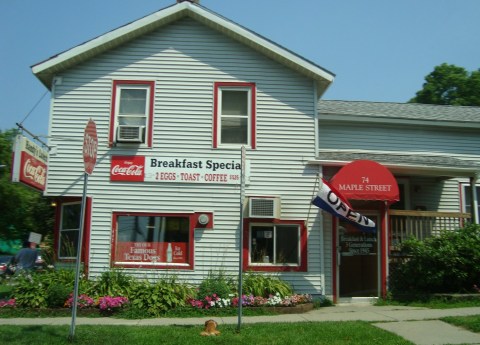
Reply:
x=179, y=169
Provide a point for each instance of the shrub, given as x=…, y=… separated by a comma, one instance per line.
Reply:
x=57, y=294
x=448, y=263
x=114, y=282
x=42, y=289
x=216, y=283
x=157, y=298
x=265, y=285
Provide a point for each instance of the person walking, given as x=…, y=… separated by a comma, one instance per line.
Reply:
x=25, y=258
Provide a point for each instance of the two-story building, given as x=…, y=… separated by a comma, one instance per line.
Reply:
x=175, y=96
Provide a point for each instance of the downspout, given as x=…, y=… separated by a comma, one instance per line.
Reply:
x=474, y=203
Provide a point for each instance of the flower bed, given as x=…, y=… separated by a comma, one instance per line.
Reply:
x=294, y=303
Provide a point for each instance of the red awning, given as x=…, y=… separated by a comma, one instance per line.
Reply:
x=366, y=180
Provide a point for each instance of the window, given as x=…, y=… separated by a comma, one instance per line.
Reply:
x=153, y=240
x=69, y=230
x=234, y=115
x=132, y=112
x=278, y=246
x=467, y=198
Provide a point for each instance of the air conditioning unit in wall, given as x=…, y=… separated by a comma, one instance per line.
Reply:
x=130, y=134
x=264, y=207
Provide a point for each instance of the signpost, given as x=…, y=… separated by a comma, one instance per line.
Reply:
x=90, y=146
x=240, y=264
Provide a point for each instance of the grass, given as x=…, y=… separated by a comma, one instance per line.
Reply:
x=335, y=333
x=471, y=323
x=434, y=302
x=131, y=313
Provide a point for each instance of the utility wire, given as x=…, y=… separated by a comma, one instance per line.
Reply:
x=20, y=125
x=35, y=106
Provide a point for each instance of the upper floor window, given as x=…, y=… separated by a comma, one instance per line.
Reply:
x=132, y=112
x=234, y=115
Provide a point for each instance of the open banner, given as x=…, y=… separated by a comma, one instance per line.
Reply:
x=330, y=200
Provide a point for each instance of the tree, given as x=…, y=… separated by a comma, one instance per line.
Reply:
x=450, y=85
x=23, y=209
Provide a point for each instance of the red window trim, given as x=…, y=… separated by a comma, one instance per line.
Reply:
x=86, y=230
x=303, y=246
x=192, y=223
x=151, y=102
x=253, y=102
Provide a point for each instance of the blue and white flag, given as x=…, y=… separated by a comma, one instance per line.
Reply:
x=330, y=200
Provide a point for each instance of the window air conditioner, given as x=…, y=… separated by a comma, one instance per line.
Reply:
x=264, y=208
x=130, y=134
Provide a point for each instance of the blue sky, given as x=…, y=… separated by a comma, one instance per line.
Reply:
x=380, y=50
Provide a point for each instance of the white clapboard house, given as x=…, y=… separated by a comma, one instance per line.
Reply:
x=176, y=95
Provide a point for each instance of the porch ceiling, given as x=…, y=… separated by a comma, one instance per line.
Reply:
x=405, y=164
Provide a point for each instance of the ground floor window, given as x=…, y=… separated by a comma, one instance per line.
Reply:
x=69, y=230
x=152, y=240
x=467, y=198
x=275, y=246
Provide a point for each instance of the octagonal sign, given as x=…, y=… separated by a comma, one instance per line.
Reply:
x=90, y=145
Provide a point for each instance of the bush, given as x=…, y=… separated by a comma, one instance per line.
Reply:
x=256, y=284
x=42, y=289
x=114, y=282
x=216, y=283
x=449, y=263
x=157, y=298
x=57, y=295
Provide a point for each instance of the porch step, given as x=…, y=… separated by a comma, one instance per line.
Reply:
x=357, y=300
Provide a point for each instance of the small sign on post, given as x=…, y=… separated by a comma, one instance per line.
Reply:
x=90, y=145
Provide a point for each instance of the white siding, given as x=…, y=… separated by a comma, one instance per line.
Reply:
x=398, y=139
x=185, y=59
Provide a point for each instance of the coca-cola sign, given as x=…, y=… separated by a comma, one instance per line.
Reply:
x=29, y=163
x=127, y=168
x=177, y=169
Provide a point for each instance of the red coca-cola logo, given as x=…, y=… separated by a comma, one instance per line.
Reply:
x=135, y=170
x=127, y=168
x=36, y=173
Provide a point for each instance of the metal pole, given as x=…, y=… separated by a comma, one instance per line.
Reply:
x=240, y=265
x=79, y=257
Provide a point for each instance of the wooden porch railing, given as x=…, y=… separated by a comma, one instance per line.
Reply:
x=422, y=224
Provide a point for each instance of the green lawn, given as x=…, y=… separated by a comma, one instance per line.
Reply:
x=355, y=333
x=471, y=323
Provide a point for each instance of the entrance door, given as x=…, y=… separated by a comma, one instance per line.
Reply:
x=358, y=261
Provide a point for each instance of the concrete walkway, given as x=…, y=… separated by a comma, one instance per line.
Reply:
x=418, y=325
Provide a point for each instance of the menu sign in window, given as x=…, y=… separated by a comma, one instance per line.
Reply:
x=353, y=244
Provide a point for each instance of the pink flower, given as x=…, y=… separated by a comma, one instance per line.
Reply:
x=110, y=303
x=8, y=304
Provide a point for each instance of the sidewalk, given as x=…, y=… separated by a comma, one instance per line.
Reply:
x=418, y=325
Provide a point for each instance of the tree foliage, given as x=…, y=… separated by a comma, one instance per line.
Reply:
x=450, y=85
x=23, y=209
